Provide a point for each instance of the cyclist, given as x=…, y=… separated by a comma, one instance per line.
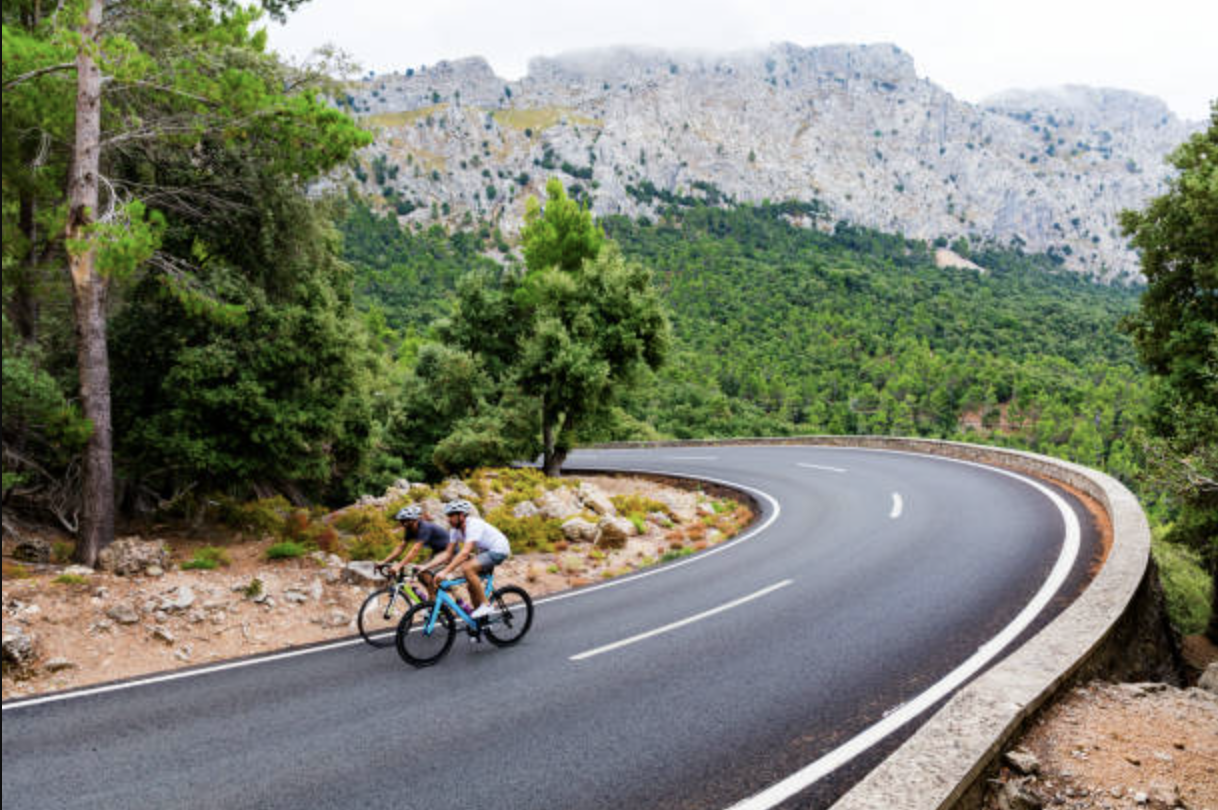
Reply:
x=423, y=533
x=475, y=535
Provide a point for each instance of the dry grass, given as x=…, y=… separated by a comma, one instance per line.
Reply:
x=539, y=119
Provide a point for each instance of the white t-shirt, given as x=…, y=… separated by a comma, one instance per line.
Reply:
x=482, y=534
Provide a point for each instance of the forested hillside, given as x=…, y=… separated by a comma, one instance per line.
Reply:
x=785, y=329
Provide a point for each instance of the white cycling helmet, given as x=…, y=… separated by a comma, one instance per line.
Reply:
x=409, y=513
x=460, y=505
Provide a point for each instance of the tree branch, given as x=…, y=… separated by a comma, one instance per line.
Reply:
x=34, y=74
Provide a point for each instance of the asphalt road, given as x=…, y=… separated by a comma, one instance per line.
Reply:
x=872, y=577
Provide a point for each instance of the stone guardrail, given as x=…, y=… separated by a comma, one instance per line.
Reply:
x=943, y=763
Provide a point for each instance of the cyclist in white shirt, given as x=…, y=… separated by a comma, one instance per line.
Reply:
x=483, y=547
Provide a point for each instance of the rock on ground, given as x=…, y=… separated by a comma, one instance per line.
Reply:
x=131, y=555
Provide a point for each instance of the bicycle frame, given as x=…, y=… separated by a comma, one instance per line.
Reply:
x=403, y=588
x=445, y=599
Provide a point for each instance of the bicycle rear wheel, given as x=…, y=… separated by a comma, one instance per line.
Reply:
x=379, y=616
x=511, y=616
x=418, y=647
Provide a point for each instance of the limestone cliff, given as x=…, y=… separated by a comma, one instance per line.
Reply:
x=852, y=126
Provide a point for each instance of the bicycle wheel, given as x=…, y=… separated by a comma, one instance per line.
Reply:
x=511, y=616
x=379, y=616
x=418, y=647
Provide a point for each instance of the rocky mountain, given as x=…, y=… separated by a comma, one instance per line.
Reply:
x=850, y=126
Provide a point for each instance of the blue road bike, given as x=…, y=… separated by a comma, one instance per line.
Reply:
x=428, y=629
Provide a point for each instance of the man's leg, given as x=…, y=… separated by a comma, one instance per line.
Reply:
x=471, y=569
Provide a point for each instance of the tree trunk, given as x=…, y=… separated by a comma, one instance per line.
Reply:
x=1211, y=632
x=553, y=455
x=89, y=301
x=22, y=304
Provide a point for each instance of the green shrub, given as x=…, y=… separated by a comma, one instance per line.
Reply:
x=637, y=505
x=1185, y=583
x=71, y=579
x=286, y=550
x=14, y=570
x=676, y=554
x=208, y=558
x=62, y=550
x=254, y=589
x=265, y=516
x=375, y=533
x=535, y=533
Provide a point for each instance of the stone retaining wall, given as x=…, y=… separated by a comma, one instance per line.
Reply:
x=941, y=766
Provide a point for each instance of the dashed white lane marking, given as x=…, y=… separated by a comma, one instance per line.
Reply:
x=897, y=506
x=697, y=617
x=819, y=467
x=784, y=789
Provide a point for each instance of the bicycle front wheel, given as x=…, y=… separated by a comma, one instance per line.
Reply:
x=511, y=616
x=419, y=647
x=379, y=616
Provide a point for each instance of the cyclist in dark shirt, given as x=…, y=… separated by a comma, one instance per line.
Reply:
x=419, y=533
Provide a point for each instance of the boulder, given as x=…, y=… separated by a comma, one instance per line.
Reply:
x=1019, y=794
x=594, y=498
x=296, y=597
x=526, y=509
x=163, y=635
x=32, y=549
x=78, y=571
x=58, y=664
x=362, y=572
x=19, y=649
x=337, y=618
x=559, y=504
x=124, y=613
x=683, y=506
x=612, y=532
x=131, y=555
x=578, y=530
x=183, y=597
x=1209, y=678
x=1023, y=761
x=455, y=488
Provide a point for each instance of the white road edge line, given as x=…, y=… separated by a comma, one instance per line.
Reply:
x=786, y=788
x=897, y=506
x=818, y=467
x=691, y=458
x=249, y=662
x=735, y=603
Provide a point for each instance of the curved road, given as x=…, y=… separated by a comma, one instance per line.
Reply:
x=869, y=580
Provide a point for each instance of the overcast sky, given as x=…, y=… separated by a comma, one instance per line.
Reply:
x=972, y=48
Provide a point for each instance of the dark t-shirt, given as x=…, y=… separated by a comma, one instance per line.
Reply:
x=433, y=536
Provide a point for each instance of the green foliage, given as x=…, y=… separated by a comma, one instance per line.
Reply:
x=676, y=553
x=208, y=558
x=260, y=517
x=253, y=590
x=783, y=330
x=561, y=235
x=534, y=533
x=1176, y=333
x=286, y=550
x=71, y=579
x=61, y=551
x=1186, y=584
x=635, y=504
x=221, y=271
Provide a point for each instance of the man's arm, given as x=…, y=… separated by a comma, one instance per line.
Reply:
x=461, y=556
x=393, y=554
x=410, y=555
